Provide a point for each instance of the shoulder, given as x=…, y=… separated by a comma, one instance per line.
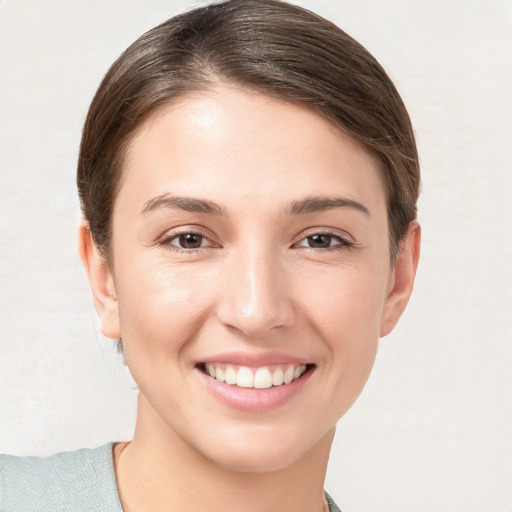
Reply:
x=332, y=506
x=83, y=479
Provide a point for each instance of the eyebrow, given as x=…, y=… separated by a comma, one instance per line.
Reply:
x=318, y=204
x=188, y=204
x=307, y=205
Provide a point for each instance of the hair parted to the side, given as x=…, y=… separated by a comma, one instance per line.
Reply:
x=268, y=46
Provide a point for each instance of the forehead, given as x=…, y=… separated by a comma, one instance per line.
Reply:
x=228, y=141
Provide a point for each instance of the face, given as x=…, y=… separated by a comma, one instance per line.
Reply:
x=252, y=274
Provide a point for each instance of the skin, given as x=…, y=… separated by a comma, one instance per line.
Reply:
x=260, y=283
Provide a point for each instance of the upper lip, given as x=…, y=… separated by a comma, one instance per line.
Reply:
x=254, y=360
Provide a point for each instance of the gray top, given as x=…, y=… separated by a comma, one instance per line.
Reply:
x=83, y=480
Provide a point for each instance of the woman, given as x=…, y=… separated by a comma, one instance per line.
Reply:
x=248, y=178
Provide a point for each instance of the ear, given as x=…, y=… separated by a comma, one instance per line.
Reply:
x=101, y=281
x=401, y=279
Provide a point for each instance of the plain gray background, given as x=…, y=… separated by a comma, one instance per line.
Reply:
x=432, y=430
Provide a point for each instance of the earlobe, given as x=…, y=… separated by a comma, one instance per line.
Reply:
x=101, y=282
x=402, y=279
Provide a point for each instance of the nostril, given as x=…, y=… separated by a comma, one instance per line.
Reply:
x=255, y=297
x=258, y=323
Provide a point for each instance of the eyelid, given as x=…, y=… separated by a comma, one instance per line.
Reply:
x=346, y=240
x=172, y=234
x=175, y=241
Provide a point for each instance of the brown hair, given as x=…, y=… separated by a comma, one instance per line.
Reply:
x=266, y=45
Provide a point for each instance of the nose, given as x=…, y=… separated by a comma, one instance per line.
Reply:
x=256, y=299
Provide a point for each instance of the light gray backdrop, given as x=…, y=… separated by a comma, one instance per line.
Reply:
x=432, y=430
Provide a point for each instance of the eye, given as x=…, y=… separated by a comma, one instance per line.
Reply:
x=189, y=241
x=324, y=241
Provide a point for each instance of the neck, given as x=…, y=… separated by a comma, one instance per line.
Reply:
x=158, y=467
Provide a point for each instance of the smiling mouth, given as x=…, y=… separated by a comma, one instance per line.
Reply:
x=263, y=377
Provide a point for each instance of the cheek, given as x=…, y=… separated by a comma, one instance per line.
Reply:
x=345, y=309
x=346, y=302
x=160, y=309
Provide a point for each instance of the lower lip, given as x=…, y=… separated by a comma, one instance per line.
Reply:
x=254, y=400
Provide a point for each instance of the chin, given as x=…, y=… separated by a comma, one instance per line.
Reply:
x=262, y=451
x=259, y=462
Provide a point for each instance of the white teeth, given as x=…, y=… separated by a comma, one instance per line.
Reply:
x=288, y=375
x=244, y=378
x=230, y=375
x=277, y=377
x=263, y=378
x=299, y=371
x=219, y=374
x=260, y=378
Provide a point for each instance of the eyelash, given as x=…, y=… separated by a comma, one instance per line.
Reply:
x=167, y=241
x=343, y=243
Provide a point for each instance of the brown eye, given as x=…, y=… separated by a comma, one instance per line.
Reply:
x=325, y=241
x=320, y=241
x=189, y=241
